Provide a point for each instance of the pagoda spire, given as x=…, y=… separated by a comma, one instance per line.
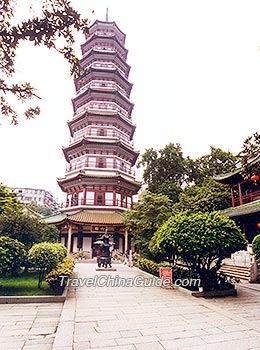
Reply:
x=106, y=14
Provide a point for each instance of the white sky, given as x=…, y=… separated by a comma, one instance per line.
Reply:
x=196, y=75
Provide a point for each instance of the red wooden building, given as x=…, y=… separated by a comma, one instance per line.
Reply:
x=245, y=197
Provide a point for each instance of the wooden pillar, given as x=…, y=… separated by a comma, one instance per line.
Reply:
x=69, y=238
x=126, y=239
x=84, y=196
x=232, y=196
x=240, y=194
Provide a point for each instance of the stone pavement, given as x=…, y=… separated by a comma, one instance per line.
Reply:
x=132, y=318
x=152, y=318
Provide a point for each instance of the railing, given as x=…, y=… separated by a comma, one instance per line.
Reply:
x=112, y=203
x=93, y=165
x=247, y=198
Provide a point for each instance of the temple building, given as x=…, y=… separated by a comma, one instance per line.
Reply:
x=99, y=181
x=245, y=198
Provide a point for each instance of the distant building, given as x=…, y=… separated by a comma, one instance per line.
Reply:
x=37, y=195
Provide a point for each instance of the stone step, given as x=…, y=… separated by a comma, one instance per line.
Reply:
x=241, y=272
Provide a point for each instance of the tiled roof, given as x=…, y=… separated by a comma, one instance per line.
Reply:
x=244, y=209
x=96, y=218
x=86, y=217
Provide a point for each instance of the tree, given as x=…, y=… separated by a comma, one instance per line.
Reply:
x=215, y=163
x=164, y=171
x=201, y=241
x=46, y=256
x=256, y=246
x=40, y=209
x=12, y=256
x=249, y=151
x=148, y=215
x=210, y=196
x=52, y=28
x=27, y=229
x=8, y=199
x=168, y=171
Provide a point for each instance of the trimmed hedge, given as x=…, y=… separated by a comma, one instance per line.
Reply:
x=60, y=274
x=152, y=267
x=256, y=246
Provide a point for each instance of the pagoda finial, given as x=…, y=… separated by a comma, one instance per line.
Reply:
x=106, y=14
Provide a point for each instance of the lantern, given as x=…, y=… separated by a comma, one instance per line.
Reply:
x=258, y=225
x=254, y=178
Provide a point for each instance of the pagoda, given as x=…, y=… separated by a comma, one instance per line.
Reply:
x=99, y=181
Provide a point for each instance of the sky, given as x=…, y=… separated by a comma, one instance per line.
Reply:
x=195, y=69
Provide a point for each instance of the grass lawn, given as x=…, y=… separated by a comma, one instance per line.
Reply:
x=24, y=284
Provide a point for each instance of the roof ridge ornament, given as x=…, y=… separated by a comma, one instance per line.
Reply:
x=107, y=14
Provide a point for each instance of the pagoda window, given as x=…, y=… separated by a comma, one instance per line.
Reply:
x=110, y=163
x=101, y=162
x=100, y=198
x=90, y=198
x=101, y=132
x=109, y=198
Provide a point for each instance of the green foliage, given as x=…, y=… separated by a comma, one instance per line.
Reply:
x=40, y=209
x=168, y=171
x=215, y=163
x=210, y=196
x=201, y=241
x=256, y=246
x=52, y=28
x=249, y=151
x=12, y=256
x=45, y=256
x=8, y=199
x=20, y=225
x=164, y=171
x=148, y=215
x=59, y=274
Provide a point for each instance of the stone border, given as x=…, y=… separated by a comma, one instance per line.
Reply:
x=24, y=299
x=209, y=294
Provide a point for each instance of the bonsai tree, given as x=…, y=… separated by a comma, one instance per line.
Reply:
x=201, y=241
x=12, y=256
x=45, y=256
x=256, y=246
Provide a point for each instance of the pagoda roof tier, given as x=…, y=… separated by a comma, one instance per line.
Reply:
x=80, y=146
x=106, y=24
x=95, y=55
x=105, y=94
x=105, y=74
x=235, y=176
x=81, y=180
x=83, y=120
x=86, y=217
x=94, y=94
x=94, y=38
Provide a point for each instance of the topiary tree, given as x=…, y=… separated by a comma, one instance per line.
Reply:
x=256, y=246
x=201, y=241
x=12, y=256
x=45, y=256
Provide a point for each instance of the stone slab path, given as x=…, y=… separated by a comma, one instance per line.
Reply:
x=132, y=318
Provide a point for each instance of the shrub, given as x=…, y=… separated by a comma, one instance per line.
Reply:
x=201, y=240
x=256, y=246
x=60, y=273
x=12, y=255
x=45, y=256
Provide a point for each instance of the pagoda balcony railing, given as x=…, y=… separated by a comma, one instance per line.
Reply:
x=102, y=85
x=111, y=107
x=90, y=203
x=247, y=198
x=113, y=135
x=93, y=165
